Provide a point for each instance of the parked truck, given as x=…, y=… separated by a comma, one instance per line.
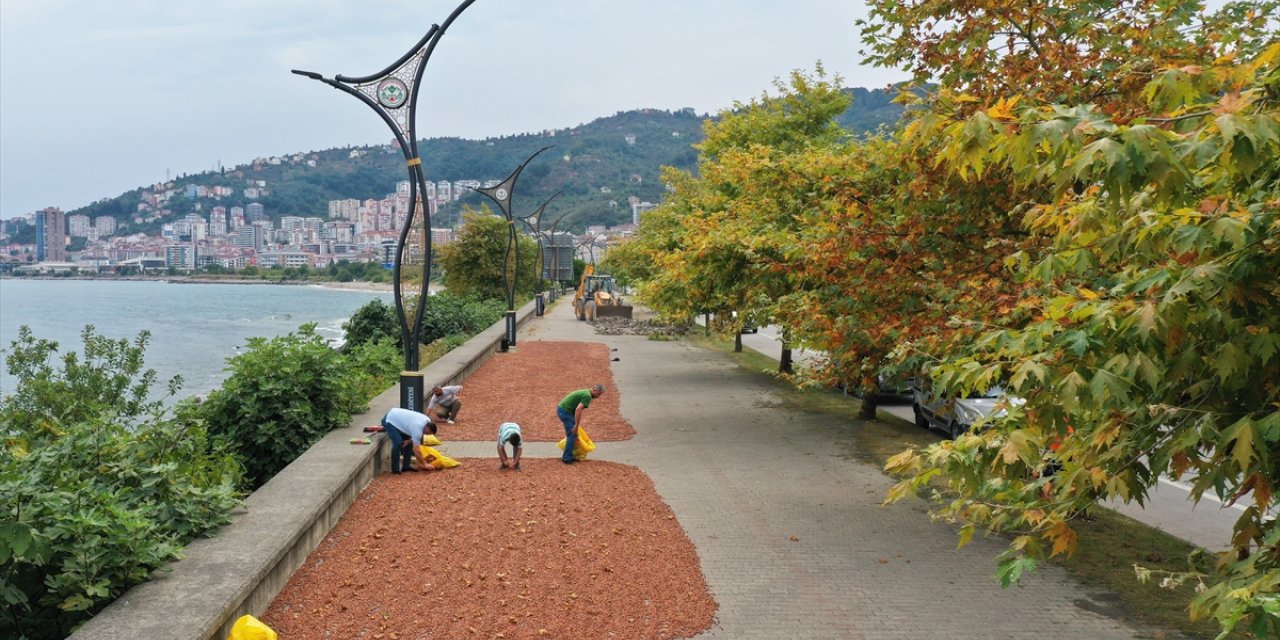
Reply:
x=597, y=297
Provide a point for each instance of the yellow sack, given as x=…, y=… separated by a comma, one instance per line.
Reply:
x=581, y=447
x=250, y=628
x=430, y=439
x=437, y=459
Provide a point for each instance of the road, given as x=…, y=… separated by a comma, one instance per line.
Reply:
x=1168, y=505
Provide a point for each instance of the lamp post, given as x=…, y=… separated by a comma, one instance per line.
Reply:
x=393, y=94
x=555, y=257
x=589, y=242
x=502, y=194
x=536, y=228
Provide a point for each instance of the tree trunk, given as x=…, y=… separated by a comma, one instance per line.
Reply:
x=868, y=410
x=706, y=323
x=784, y=361
x=737, y=343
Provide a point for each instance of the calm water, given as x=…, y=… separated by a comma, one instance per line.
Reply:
x=194, y=327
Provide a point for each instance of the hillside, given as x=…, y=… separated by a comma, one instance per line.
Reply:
x=597, y=166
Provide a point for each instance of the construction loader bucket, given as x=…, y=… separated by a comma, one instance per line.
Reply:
x=611, y=311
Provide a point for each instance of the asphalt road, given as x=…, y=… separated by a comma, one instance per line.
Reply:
x=1168, y=506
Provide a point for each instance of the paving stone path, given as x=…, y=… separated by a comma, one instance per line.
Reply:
x=791, y=534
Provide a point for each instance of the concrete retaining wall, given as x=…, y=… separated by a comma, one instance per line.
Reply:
x=243, y=568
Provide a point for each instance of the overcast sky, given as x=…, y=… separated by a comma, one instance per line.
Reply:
x=97, y=98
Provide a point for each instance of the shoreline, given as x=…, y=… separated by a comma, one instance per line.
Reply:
x=370, y=287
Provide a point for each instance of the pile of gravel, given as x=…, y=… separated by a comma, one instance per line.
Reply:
x=624, y=326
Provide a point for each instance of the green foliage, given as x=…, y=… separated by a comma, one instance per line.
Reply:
x=98, y=486
x=721, y=240
x=449, y=314
x=593, y=164
x=109, y=376
x=477, y=262
x=1144, y=345
x=282, y=396
x=374, y=322
x=346, y=271
x=374, y=366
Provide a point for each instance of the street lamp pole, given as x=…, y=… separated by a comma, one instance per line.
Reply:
x=536, y=228
x=502, y=194
x=393, y=94
x=555, y=257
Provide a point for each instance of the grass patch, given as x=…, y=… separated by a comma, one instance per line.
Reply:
x=1109, y=543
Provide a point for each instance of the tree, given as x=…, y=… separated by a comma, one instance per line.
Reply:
x=1100, y=52
x=1144, y=340
x=721, y=241
x=474, y=263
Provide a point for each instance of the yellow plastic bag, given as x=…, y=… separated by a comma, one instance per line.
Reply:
x=250, y=628
x=431, y=440
x=581, y=447
x=436, y=459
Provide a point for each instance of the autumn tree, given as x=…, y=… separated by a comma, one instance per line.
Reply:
x=1145, y=343
x=475, y=262
x=721, y=242
x=1100, y=52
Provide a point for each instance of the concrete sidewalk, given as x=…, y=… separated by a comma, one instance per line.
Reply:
x=791, y=534
x=1168, y=505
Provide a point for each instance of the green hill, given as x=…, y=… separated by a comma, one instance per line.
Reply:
x=597, y=166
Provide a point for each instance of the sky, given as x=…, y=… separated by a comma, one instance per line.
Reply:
x=98, y=98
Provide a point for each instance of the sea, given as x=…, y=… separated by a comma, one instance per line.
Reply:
x=195, y=327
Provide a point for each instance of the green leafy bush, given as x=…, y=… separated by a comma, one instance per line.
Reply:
x=374, y=321
x=447, y=314
x=98, y=486
x=109, y=375
x=450, y=314
x=375, y=367
x=282, y=396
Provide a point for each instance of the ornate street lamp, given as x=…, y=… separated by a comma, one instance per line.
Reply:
x=555, y=257
x=589, y=243
x=536, y=228
x=393, y=94
x=502, y=194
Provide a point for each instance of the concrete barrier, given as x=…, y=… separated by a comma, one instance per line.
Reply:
x=243, y=568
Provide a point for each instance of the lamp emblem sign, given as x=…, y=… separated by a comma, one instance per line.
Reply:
x=392, y=93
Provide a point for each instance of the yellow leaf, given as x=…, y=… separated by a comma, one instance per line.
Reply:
x=1064, y=539
x=898, y=492
x=1269, y=57
x=1017, y=447
x=902, y=462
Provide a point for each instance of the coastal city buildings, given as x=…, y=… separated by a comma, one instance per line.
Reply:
x=51, y=235
x=197, y=231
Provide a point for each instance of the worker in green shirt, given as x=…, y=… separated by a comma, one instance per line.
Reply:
x=570, y=411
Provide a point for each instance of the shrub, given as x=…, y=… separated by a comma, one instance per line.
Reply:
x=447, y=314
x=108, y=376
x=372, y=322
x=282, y=396
x=98, y=486
x=375, y=367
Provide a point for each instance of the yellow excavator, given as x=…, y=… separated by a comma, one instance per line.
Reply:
x=597, y=297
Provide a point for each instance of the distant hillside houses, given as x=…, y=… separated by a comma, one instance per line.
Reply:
x=236, y=237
